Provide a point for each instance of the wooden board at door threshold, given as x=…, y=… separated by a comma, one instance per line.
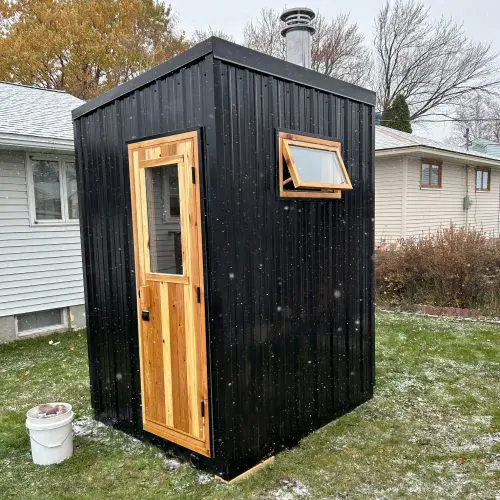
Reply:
x=245, y=475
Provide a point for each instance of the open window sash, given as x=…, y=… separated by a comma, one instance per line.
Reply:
x=292, y=145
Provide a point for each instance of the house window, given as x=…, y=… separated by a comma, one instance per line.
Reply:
x=40, y=321
x=53, y=193
x=431, y=174
x=171, y=200
x=71, y=193
x=311, y=168
x=483, y=179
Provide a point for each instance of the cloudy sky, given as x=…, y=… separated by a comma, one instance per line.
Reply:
x=480, y=19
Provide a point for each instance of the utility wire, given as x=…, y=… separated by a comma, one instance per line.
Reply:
x=419, y=120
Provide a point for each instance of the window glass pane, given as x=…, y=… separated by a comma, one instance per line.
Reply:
x=39, y=319
x=478, y=179
x=486, y=175
x=162, y=193
x=71, y=188
x=316, y=165
x=171, y=197
x=47, y=190
x=425, y=174
x=435, y=175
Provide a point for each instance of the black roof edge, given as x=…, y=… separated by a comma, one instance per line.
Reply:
x=199, y=51
x=252, y=59
x=239, y=56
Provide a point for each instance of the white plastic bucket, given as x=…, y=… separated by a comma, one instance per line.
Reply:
x=51, y=437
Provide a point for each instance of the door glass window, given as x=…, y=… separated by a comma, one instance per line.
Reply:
x=163, y=202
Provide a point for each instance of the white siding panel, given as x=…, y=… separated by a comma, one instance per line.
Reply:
x=427, y=210
x=40, y=266
x=388, y=199
x=484, y=214
x=28, y=268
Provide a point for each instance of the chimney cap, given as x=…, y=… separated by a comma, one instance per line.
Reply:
x=297, y=18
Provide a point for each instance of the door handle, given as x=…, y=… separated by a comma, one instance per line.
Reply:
x=145, y=315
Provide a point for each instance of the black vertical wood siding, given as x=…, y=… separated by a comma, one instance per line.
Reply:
x=289, y=282
x=177, y=101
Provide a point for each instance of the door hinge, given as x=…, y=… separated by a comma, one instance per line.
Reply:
x=203, y=408
x=198, y=295
x=193, y=175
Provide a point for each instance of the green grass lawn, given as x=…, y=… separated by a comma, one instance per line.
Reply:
x=431, y=431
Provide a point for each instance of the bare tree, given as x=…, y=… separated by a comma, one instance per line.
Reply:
x=264, y=34
x=337, y=48
x=481, y=115
x=431, y=64
x=200, y=35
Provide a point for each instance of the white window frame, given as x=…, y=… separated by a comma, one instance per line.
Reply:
x=53, y=328
x=62, y=161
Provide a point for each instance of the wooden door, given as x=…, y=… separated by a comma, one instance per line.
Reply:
x=164, y=180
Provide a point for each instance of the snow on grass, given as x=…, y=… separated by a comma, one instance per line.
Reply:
x=289, y=490
x=430, y=431
x=93, y=430
x=88, y=427
x=202, y=478
x=494, y=464
x=485, y=442
x=171, y=464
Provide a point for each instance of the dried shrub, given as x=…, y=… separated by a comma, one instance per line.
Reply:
x=454, y=267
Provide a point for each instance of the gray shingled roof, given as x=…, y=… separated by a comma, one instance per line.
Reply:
x=388, y=138
x=35, y=112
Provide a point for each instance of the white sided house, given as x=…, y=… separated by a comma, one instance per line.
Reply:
x=41, y=282
x=422, y=185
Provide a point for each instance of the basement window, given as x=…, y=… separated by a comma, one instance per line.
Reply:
x=311, y=168
x=483, y=179
x=41, y=321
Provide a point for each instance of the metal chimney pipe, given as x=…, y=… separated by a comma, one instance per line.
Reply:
x=298, y=32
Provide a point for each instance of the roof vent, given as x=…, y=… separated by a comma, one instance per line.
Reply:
x=298, y=32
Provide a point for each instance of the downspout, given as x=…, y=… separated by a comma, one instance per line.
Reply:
x=404, y=169
x=466, y=200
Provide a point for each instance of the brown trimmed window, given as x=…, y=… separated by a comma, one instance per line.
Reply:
x=431, y=173
x=311, y=168
x=483, y=179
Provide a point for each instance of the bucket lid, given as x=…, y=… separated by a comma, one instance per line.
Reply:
x=49, y=411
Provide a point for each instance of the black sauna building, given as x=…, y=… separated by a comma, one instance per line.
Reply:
x=227, y=208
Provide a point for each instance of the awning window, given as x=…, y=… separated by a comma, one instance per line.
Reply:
x=311, y=167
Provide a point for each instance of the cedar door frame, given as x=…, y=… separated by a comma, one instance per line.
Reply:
x=306, y=189
x=483, y=170
x=431, y=163
x=142, y=292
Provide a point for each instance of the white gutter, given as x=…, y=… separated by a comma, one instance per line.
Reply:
x=439, y=153
x=27, y=142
